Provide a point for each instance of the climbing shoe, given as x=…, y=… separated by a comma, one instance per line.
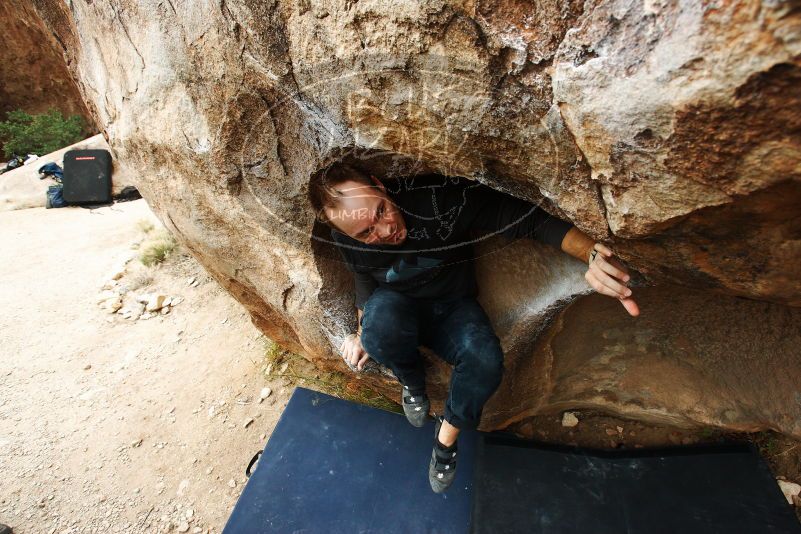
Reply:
x=442, y=469
x=415, y=406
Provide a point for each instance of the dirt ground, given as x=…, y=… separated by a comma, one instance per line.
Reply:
x=116, y=425
x=110, y=424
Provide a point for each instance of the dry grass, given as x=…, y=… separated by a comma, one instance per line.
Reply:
x=145, y=226
x=157, y=248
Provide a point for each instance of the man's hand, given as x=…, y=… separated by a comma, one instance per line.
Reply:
x=353, y=352
x=607, y=276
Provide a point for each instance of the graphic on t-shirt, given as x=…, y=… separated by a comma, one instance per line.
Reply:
x=404, y=270
x=443, y=218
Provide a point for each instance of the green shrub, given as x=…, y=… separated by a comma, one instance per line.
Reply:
x=41, y=134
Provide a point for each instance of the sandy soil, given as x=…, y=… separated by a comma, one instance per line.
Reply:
x=114, y=425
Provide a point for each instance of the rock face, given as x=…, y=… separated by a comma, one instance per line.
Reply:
x=669, y=130
x=34, y=75
x=690, y=360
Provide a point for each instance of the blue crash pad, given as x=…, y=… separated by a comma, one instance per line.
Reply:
x=522, y=486
x=336, y=466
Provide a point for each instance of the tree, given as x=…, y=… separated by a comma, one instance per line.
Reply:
x=22, y=133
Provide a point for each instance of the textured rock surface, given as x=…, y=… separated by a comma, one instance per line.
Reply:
x=668, y=129
x=690, y=361
x=34, y=75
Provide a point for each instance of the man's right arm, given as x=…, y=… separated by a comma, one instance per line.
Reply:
x=364, y=285
x=363, y=281
x=351, y=348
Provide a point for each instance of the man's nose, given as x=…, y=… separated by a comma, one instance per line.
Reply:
x=384, y=230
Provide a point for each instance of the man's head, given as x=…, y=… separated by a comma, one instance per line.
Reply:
x=357, y=205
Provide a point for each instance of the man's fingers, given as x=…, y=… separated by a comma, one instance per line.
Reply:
x=606, y=276
x=618, y=290
x=353, y=353
x=616, y=263
x=612, y=267
x=603, y=249
x=631, y=307
x=589, y=276
x=348, y=353
x=353, y=356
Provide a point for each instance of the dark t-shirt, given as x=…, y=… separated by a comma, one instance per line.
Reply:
x=444, y=216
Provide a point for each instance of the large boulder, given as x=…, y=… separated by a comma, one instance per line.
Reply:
x=691, y=361
x=669, y=130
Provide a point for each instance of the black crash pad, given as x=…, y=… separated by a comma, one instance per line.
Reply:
x=521, y=486
x=336, y=466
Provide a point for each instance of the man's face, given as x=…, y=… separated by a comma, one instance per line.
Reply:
x=367, y=214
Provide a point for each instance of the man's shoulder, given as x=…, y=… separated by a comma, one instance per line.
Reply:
x=340, y=238
x=346, y=243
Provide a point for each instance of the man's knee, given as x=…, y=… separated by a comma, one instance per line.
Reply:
x=482, y=357
x=388, y=321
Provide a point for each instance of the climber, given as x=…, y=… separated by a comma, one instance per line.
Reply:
x=408, y=244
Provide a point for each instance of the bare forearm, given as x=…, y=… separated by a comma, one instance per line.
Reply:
x=578, y=244
x=358, y=322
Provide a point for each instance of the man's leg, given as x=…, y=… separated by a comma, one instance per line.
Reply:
x=390, y=336
x=460, y=332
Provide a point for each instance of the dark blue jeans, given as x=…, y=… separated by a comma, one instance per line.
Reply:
x=457, y=330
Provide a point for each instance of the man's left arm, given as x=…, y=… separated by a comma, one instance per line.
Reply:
x=499, y=213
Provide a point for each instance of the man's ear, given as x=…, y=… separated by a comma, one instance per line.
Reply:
x=378, y=183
